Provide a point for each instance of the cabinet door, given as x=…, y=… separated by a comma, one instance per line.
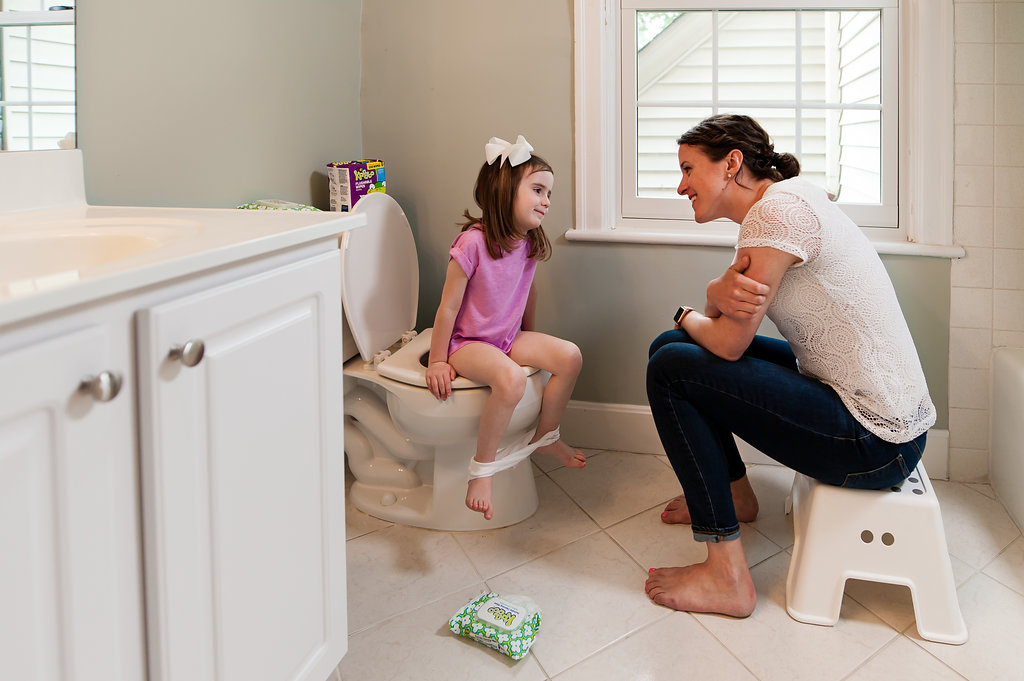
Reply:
x=243, y=479
x=69, y=551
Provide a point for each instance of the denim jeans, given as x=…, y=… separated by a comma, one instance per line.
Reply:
x=700, y=400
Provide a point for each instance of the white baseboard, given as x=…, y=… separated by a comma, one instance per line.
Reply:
x=630, y=428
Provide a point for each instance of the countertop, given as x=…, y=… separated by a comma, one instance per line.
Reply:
x=189, y=240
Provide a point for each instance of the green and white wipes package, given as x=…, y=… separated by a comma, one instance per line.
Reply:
x=508, y=624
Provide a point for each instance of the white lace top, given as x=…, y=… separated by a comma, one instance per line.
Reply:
x=839, y=312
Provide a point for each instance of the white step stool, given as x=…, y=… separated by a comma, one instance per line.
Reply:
x=893, y=535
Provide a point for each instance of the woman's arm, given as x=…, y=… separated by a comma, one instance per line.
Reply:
x=440, y=374
x=729, y=337
x=734, y=294
x=531, y=308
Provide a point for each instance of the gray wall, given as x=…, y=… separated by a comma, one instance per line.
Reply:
x=213, y=104
x=437, y=84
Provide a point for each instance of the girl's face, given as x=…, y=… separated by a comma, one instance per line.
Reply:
x=704, y=183
x=533, y=198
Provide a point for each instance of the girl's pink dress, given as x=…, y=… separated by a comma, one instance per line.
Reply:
x=495, y=298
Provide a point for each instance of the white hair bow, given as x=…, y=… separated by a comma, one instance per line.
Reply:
x=515, y=153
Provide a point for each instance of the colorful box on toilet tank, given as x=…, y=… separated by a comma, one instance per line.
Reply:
x=352, y=180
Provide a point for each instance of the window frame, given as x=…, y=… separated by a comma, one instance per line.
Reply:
x=30, y=20
x=925, y=153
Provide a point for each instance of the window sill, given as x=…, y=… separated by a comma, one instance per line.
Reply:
x=634, y=236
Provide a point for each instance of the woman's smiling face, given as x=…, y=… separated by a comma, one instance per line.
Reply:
x=704, y=182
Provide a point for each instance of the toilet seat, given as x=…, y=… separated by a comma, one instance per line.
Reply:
x=406, y=365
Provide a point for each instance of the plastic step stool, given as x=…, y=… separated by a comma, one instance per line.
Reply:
x=893, y=536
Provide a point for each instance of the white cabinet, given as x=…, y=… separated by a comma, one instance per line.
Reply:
x=191, y=528
x=243, y=479
x=69, y=555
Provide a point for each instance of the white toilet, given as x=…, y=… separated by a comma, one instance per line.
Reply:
x=408, y=451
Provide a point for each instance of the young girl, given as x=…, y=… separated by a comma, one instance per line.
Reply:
x=484, y=325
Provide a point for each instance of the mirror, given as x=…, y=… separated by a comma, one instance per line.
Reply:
x=37, y=75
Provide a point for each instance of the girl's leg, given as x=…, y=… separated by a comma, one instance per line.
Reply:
x=487, y=364
x=563, y=360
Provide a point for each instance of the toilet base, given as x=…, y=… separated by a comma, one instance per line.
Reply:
x=442, y=506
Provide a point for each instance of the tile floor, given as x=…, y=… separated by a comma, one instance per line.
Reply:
x=583, y=557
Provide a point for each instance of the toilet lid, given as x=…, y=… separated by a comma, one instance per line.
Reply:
x=379, y=275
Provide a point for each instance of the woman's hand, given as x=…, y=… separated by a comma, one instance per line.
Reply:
x=439, y=379
x=735, y=295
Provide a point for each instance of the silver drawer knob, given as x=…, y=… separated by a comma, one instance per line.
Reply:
x=103, y=387
x=190, y=354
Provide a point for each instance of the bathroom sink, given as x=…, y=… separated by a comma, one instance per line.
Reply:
x=63, y=247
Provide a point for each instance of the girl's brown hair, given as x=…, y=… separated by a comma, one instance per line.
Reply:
x=719, y=134
x=495, y=194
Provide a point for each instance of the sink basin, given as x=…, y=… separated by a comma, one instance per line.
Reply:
x=44, y=249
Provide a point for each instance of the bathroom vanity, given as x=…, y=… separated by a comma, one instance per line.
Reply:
x=171, y=466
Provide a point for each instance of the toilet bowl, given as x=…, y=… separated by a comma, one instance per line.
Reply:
x=408, y=451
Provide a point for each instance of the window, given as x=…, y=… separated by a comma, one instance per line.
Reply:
x=37, y=75
x=843, y=85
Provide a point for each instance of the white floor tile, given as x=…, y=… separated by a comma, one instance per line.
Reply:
x=397, y=569
x=675, y=647
x=557, y=522
x=978, y=528
x=404, y=584
x=776, y=647
x=905, y=661
x=1008, y=567
x=995, y=618
x=591, y=594
x=617, y=485
x=419, y=645
x=653, y=543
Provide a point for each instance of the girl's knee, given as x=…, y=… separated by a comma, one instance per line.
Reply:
x=510, y=385
x=572, y=358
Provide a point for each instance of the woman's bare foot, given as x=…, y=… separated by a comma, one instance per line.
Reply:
x=573, y=458
x=718, y=585
x=478, y=497
x=743, y=498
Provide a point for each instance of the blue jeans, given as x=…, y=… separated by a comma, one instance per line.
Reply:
x=700, y=400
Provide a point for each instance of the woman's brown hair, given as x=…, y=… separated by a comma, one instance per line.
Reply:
x=719, y=134
x=495, y=194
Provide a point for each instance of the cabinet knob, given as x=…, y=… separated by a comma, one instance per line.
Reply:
x=190, y=354
x=103, y=387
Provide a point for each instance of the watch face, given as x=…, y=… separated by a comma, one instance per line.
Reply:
x=679, y=314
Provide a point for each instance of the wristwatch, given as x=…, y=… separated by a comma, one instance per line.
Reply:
x=681, y=313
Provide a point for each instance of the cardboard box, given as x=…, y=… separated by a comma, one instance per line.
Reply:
x=353, y=180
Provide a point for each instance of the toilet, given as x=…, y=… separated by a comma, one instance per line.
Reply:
x=408, y=451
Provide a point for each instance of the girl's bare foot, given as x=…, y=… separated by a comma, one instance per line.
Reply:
x=743, y=498
x=478, y=497
x=718, y=585
x=573, y=458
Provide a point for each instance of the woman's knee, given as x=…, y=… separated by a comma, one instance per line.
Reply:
x=667, y=337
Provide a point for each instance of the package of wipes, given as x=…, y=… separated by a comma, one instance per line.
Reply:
x=275, y=204
x=507, y=624
x=352, y=180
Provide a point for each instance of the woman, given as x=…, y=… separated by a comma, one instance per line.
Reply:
x=843, y=401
